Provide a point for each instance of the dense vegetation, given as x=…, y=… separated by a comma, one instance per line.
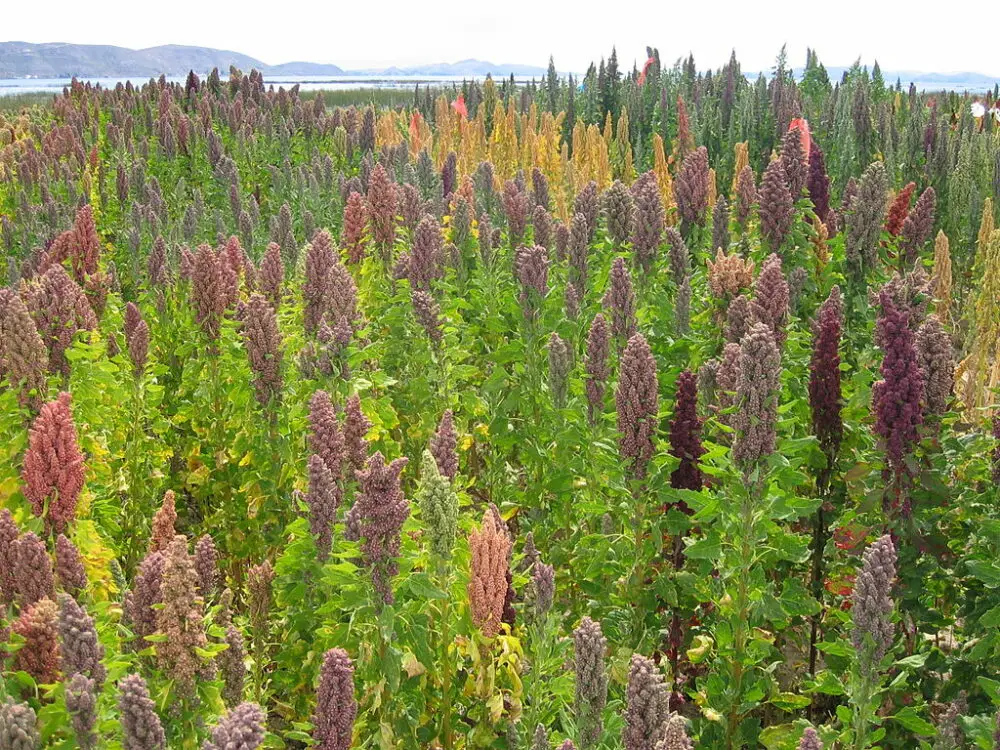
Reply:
x=646, y=412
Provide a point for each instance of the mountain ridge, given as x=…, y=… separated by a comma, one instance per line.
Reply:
x=66, y=60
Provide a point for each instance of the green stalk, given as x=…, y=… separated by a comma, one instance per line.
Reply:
x=861, y=697
x=741, y=630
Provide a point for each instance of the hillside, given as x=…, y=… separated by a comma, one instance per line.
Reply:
x=60, y=60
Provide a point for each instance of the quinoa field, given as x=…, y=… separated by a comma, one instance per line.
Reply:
x=650, y=409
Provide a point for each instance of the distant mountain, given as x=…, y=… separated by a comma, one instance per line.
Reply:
x=60, y=60
x=461, y=68
x=923, y=80
x=302, y=69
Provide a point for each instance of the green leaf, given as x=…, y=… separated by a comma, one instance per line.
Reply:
x=910, y=719
x=916, y=661
x=991, y=619
x=985, y=571
x=992, y=688
x=834, y=648
x=790, y=701
x=707, y=548
x=423, y=588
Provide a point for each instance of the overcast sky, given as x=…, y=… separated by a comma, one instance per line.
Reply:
x=353, y=34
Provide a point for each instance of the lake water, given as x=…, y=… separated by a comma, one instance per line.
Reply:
x=10, y=86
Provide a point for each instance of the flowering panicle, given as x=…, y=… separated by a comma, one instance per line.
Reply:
x=138, y=604
x=579, y=250
x=531, y=265
x=137, y=338
x=771, y=298
x=561, y=237
x=597, y=366
x=720, y=223
x=32, y=569
x=818, y=183
x=739, y=318
x=69, y=567
x=746, y=196
x=240, y=729
x=141, y=727
x=80, y=650
x=591, y=695
x=794, y=162
x=638, y=403
x=8, y=550
x=490, y=563
x=540, y=188
x=649, y=218
x=620, y=300
x=872, y=604
x=864, y=220
x=588, y=205
x=356, y=426
x=777, y=207
x=645, y=705
x=39, y=655
x=941, y=279
x=443, y=446
x=934, y=353
x=18, y=730
x=316, y=289
x=427, y=312
x=691, y=188
x=60, y=310
x=181, y=618
x=382, y=209
x=541, y=222
x=679, y=256
x=162, y=533
x=824, y=375
x=515, y=206
x=23, y=356
x=810, y=740
x=918, y=225
x=231, y=663
x=543, y=588
x=540, y=740
x=757, y=396
x=896, y=397
x=685, y=434
x=377, y=518
x=899, y=209
x=426, y=254
x=336, y=706
x=326, y=439
x=729, y=274
x=206, y=565
x=682, y=307
x=259, y=582
x=272, y=274
x=53, y=469
x=560, y=362
x=571, y=302
x=81, y=703
x=675, y=735
x=353, y=236
x=263, y=343
x=438, y=506
x=323, y=499
x=619, y=209
x=208, y=291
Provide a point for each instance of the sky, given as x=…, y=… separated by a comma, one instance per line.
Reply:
x=356, y=34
